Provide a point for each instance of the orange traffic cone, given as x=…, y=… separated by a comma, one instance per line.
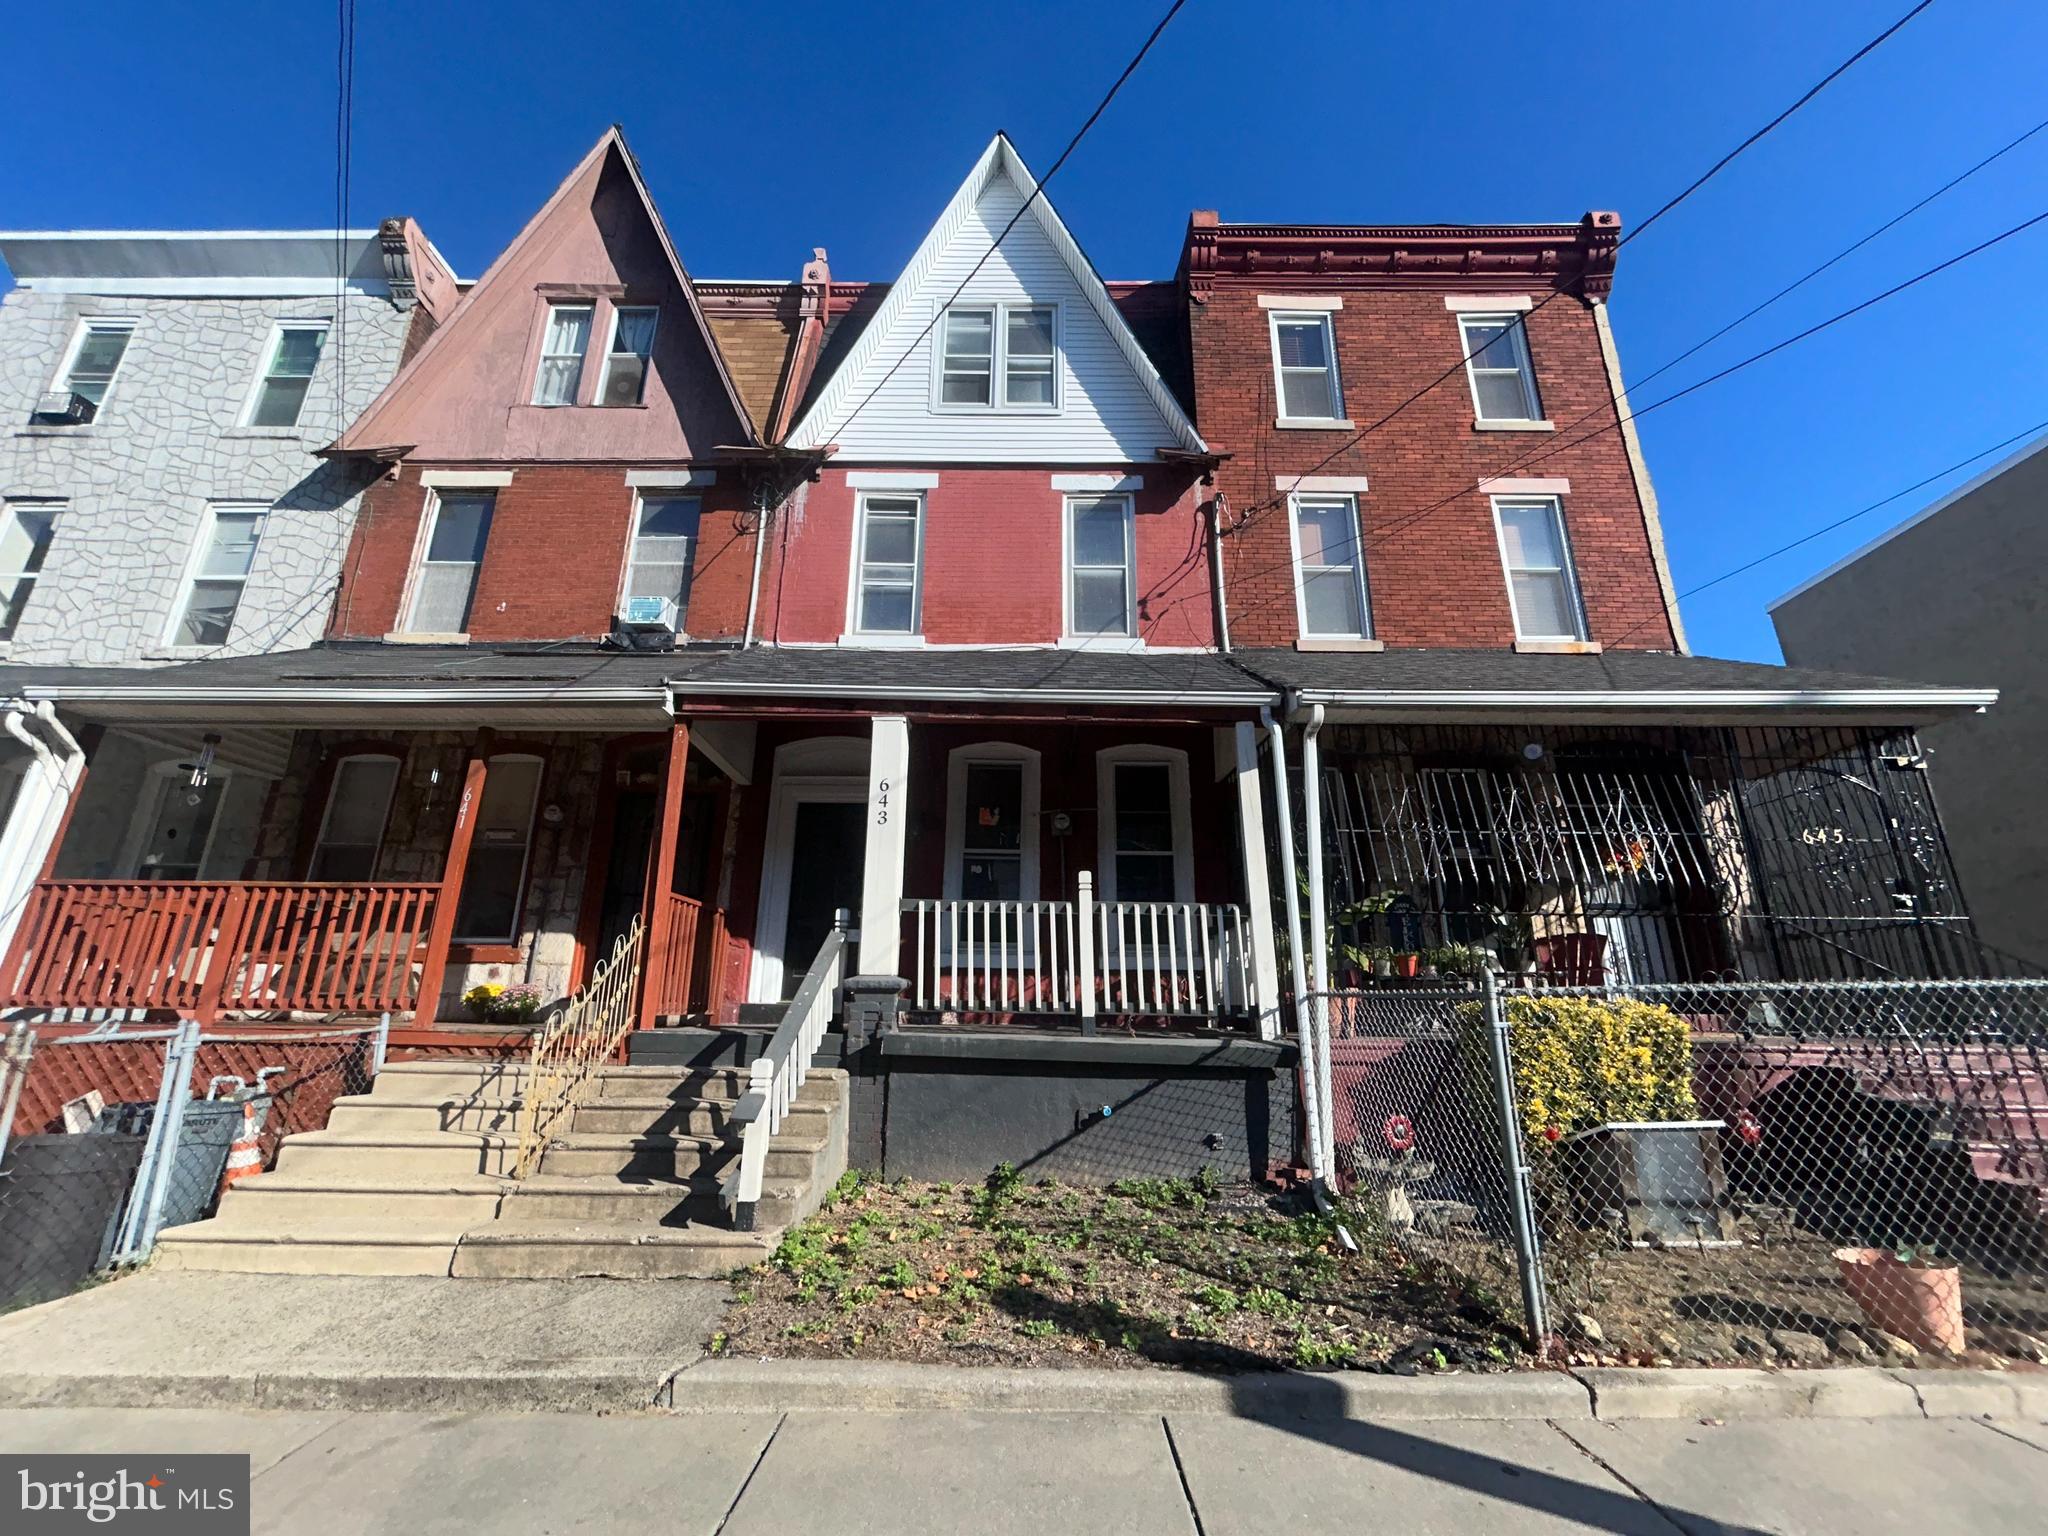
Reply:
x=245, y=1157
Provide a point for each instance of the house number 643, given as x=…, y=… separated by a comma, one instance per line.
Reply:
x=881, y=802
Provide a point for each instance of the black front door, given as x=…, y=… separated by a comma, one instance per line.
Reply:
x=625, y=875
x=826, y=866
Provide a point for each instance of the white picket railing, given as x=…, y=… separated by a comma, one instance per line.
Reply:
x=1082, y=957
x=779, y=1071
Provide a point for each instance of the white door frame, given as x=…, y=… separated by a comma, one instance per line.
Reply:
x=777, y=861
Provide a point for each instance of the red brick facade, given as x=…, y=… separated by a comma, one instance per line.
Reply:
x=1432, y=560
x=554, y=561
x=992, y=558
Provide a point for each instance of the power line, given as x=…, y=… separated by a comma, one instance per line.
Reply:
x=344, y=175
x=1711, y=172
x=1037, y=188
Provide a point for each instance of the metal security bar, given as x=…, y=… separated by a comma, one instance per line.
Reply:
x=573, y=1045
x=1585, y=855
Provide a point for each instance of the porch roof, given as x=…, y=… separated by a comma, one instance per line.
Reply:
x=1148, y=680
x=1454, y=685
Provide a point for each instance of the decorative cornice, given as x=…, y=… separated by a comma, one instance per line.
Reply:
x=1578, y=258
x=397, y=255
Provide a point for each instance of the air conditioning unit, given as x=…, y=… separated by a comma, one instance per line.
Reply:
x=623, y=379
x=652, y=613
x=63, y=405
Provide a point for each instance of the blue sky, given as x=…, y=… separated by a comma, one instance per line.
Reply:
x=766, y=129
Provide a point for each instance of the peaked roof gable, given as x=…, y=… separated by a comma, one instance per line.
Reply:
x=389, y=426
x=915, y=297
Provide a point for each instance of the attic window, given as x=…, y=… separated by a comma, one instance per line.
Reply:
x=625, y=365
x=561, y=354
x=1016, y=343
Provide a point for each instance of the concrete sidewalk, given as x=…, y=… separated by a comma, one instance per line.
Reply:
x=1136, y=1474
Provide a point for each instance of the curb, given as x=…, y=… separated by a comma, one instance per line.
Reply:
x=1604, y=1394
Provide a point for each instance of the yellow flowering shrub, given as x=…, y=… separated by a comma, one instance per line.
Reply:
x=1581, y=1062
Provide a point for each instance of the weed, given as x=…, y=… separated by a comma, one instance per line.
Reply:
x=1038, y=1328
x=995, y=1192
x=1270, y=1303
x=718, y=1342
x=900, y=1275
x=1311, y=1353
x=810, y=1329
x=1218, y=1299
x=861, y=1295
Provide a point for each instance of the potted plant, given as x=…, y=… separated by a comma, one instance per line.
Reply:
x=495, y=1003
x=1463, y=961
x=1911, y=1292
x=1605, y=1091
x=1407, y=964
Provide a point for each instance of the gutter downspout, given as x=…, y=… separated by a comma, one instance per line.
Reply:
x=39, y=807
x=1216, y=506
x=1304, y=1029
x=1318, y=923
x=754, y=589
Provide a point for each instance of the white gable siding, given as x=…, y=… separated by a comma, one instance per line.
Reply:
x=1106, y=414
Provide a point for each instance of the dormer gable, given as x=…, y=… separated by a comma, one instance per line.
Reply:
x=1011, y=355
x=584, y=340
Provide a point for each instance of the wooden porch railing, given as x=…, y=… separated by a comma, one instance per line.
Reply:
x=687, y=974
x=210, y=946
x=1156, y=958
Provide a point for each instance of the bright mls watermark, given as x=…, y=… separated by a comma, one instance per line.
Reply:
x=167, y=1495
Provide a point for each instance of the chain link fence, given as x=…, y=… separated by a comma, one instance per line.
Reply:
x=110, y=1134
x=1769, y=1173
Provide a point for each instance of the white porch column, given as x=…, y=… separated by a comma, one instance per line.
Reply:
x=1258, y=893
x=881, y=899
x=47, y=785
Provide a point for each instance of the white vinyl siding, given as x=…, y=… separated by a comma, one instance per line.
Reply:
x=1330, y=568
x=1497, y=363
x=352, y=828
x=887, y=558
x=664, y=538
x=1101, y=568
x=445, y=583
x=25, y=532
x=288, y=365
x=1542, y=589
x=1105, y=415
x=563, y=343
x=1305, y=367
x=217, y=575
x=625, y=363
x=95, y=358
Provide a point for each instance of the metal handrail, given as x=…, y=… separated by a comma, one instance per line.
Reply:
x=779, y=1071
x=573, y=1046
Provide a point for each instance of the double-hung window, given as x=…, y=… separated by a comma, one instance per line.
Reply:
x=1305, y=368
x=1000, y=357
x=991, y=832
x=24, y=543
x=1497, y=362
x=96, y=357
x=625, y=362
x=219, y=572
x=562, y=347
x=1330, y=562
x=494, y=879
x=446, y=582
x=1101, y=568
x=885, y=599
x=1541, y=587
x=1144, y=835
x=352, y=829
x=287, y=375
x=664, y=535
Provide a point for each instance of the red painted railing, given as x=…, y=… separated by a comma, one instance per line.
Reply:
x=208, y=946
x=688, y=971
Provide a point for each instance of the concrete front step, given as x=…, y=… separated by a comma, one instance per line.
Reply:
x=285, y=1202
x=338, y=1249
x=397, y=1154
x=496, y=1081
x=690, y=1117
x=572, y=1249
x=373, y=1112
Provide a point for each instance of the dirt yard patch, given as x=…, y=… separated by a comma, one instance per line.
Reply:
x=1147, y=1271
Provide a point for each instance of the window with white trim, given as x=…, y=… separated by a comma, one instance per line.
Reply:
x=1497, y=363
x=445, y=583
x=664, y=537
x=625, y=361
x=1330, y=568
x=287, y=374
x=1016, y=344
x=494, y=879
x=1144, y=833
x=96, y=354
x=1542, y=589
x=25, y=533
x=992, y=823
x=218, y=573
x=890, y=545
x=1101, y=567
x=352, y=827
x=1305, y=367
x=562, y=347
